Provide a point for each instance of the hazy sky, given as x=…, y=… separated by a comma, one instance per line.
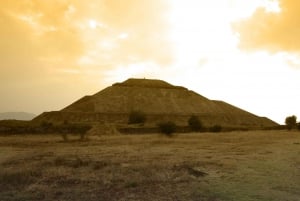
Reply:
x=246, y=53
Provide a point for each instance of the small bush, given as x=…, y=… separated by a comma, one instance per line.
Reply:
x=194, y=123
x=46, y=125
x=66, y=129
x=215, y=129
x=298, y=126
x=167, y=128
x=136, y=117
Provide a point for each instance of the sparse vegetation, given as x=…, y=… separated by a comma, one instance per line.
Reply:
x=167, y=128
x=137, y=117
x=291, y=122
x=46, y=125
x=17, y=179
x=70, y=161
x=66, y=129
x=256, y=165
x=23, y=127
x=194, y=123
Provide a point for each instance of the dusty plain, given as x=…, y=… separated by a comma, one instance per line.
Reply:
x=233, y=166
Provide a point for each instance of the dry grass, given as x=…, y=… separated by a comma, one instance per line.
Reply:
x=243, y=166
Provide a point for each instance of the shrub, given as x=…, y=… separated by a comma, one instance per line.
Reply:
x=194, y=123
x=298, y=125
x=215, y=129
x=80, y=129
x=137, y=117
x=46, y=125
x=167, y=128
x=290, y=122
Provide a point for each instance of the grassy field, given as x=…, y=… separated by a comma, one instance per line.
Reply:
x=237, y=166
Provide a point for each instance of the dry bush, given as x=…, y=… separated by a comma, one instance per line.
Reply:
x=194, y=123
x=291, y=122
x=167, y=128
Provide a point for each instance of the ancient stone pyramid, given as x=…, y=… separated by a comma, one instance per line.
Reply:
x=159, y=100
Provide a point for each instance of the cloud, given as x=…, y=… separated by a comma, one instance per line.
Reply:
x=272, y=31
x=61, y=42
x=143, y=23
x=69, y=30
x=31, y=31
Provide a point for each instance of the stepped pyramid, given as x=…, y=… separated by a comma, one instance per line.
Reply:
x=159, y=100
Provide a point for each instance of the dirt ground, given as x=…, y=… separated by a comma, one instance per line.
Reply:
x=234, y=166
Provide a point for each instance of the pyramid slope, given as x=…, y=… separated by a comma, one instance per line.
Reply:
x=159, y=100
x=85, y=104
x=149, y=96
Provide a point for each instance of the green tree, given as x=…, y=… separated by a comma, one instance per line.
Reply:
x=194, y=123
x=291, y=122
x=137, y=117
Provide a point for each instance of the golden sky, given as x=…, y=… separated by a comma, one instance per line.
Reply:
x=243, y=52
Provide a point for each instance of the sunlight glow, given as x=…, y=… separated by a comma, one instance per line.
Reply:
x=123, y=36
x=272, y=6
x=208, y=58
x=198, y=32
x=107, y=44
x=93, y=24
x=139, y=69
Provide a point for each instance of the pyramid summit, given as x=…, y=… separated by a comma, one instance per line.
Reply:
x=159, y=101
x=149, y=83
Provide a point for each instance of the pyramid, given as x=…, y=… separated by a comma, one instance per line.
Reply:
x=159, y=100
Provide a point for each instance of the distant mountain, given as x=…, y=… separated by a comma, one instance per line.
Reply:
x=17, y=116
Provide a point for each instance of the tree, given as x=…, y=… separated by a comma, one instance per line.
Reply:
x=136, y=117
x=194, y=123
x=290, y=122
x=167, y=128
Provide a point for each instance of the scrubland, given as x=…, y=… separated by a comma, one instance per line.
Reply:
x=233, y=166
